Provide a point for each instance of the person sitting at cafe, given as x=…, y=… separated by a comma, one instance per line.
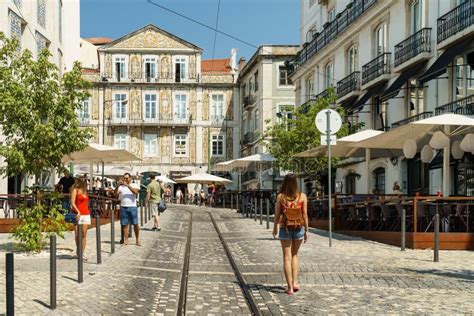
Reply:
x=396, y=189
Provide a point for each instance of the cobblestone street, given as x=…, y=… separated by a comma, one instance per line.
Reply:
x=354, y=276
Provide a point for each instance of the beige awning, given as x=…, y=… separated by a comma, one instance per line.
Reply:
x=100, y=153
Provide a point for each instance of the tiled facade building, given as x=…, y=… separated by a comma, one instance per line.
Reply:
x=154, y=96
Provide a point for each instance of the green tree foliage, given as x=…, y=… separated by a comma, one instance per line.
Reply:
x=38, y=110
x=296, y=133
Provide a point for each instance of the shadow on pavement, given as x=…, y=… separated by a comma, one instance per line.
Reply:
x=42, y=303
x=67, y=257
x=69, y=278
x=272, y=289
x=336, y=236
x=467, y=275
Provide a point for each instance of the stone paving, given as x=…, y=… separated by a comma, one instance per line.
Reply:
x=354, y=276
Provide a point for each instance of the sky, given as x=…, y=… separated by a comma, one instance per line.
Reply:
x=257, y=22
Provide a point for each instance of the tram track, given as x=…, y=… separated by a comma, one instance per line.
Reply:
x=239, y=278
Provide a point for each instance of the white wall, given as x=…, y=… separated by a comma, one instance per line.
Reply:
x=88, y=55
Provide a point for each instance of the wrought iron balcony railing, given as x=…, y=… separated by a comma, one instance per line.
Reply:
x=456, y=20
x=248, y=138
x=304, y=108
x=461, y=106
x=412, y=119
x=84, y=120
x=330, y=31
x=376, y=68
x=349, y=84
x=418, y=43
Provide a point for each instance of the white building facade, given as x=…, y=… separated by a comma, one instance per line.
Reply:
x=38, y=24
x=266, y=92
x=391, y=62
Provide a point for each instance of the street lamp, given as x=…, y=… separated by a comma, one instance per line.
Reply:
x=124, y=102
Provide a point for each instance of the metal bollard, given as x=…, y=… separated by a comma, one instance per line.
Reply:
x=112, y=231
x=268, y=213
x=231, y=202
x=141, y=214
x=255, y=209
x=80, y=262
x=261, y=210
x=97, y=239
x=403, y=230
x=436, y=238
x=10, y=284
x=52, y=272
x=223, y=201
x=248, y=203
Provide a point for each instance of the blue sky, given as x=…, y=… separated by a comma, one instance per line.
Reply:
x=254, y=21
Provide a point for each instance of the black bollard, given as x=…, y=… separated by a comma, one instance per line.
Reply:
x=261, y=210
x=80, y=262
x=268, y=213
x=52, y=272
x=112, y=230
x=231, y=202
x=255, y=209
x=97, y=239
x=403, y=230
x=10, y=284
x=436, y=238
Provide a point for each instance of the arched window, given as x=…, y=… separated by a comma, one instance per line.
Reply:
x=352, y=59
x=379, y=179
x=329, y=75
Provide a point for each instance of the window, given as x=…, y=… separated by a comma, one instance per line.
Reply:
x=415, y=98
x=217, y=145
x=378, y=114
x=285, y=115
x=120, y=67
x=16, y=28
x=309, y=88
x=416, y=16
x=257, y=120
x=217, y=107
x=180, y=106
x=180, y=145
x=150, y=106
x=150, y=141
x=463, y=76
x=120, y=107
x=41, y=13
x=60, y=21
x=255, y=76
x=83, y=111
x=120, y=141
x=379, y=179
x=352, y=60
x=150, y=68
x=180, y=69
x=41, y=43
x=381, y=39
x=283, y=76
x=332, y=15
x=251, y=87
x=329, y=75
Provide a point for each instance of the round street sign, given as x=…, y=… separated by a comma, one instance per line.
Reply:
x=335, y=121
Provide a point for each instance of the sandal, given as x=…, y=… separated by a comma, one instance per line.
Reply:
x=296, y=289
x=289, y=292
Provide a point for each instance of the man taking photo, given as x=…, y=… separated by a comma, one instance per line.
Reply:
x=127, y=192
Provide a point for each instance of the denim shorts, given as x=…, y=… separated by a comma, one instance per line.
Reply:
x=292, y=234
x=128, y=215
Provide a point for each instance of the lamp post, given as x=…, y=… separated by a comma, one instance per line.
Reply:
x=124, y=102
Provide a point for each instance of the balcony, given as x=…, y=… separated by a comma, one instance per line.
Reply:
x=248, y=138
x=217, y=120
x=376, y=70
x=463, y=106
x=413, y=49
x=411, y=119
x=162, y=120
x=349, y=86
x=144, y=78
x=331, y=31
x=456, y=23
x=84, y=120
x=304, y=108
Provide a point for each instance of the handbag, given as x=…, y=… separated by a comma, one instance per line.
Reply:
x=70, y=218
x=161, y=206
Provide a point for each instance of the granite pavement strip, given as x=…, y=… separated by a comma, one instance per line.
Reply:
x=355, y=276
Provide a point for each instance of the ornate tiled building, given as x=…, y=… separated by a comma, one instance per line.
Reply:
x=154, y=96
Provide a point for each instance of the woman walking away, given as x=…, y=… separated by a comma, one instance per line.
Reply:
x=292, y=215
x=80, y=205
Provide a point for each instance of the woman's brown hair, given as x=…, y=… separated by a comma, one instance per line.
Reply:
x=80, y=184
x=289, y=187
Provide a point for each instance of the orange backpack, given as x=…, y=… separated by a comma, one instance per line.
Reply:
x=292, y=215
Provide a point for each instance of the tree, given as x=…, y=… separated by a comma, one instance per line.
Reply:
x=296, y=133
x=38, y=110
x=38, y=118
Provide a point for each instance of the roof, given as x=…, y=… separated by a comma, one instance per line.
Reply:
x=269, y=51
x=98, y=40
x=221, y=66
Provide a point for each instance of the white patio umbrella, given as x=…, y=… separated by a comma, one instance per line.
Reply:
x=203, y=178
x=165, y=179
x=421, y=132
x=224, y=166
x=254, y=162
x=117, y=172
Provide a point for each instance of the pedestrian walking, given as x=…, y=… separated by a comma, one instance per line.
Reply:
x=127, y=192
x=65, y=183
x=179, y=195
x=80, y=206
x=292, y=217
x=153, y=198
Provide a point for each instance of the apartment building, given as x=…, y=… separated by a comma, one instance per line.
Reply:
x=267, y=93
x=54, y=24
x=154, y=96
x=391, y=62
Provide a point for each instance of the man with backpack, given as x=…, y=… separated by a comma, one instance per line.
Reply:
x=153, y=199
